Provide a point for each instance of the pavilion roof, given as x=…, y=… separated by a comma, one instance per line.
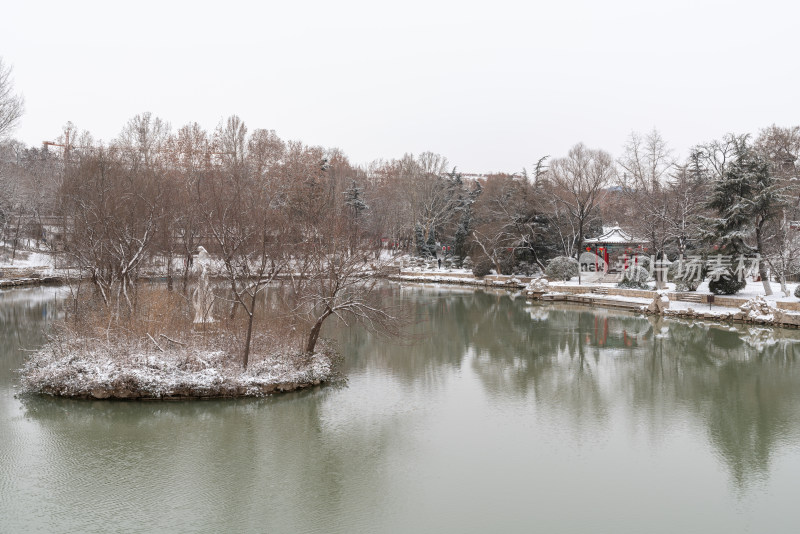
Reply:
x=615, y=236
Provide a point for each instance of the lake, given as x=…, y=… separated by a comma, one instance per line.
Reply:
x=491, y=415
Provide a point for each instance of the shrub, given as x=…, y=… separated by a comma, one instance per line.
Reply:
x=466, y=263
x=640, y=261
x=482, y=268
x=561, y=268
x=528, y=269
x=797, y=291
x=726, y=284
x=507, y=264
x=635, y=278
x=687, y=275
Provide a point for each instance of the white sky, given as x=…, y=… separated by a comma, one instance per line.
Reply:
x=491, y=85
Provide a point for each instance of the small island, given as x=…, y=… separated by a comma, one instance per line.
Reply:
x=136, y=371
x=192, y=275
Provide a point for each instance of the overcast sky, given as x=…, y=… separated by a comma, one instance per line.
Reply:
x=491, y=85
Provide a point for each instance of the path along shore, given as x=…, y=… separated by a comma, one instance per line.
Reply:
x=724, y=308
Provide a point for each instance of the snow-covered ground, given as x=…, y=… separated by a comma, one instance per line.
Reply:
x=757, y=288
x=751, y=290
x=26, y=259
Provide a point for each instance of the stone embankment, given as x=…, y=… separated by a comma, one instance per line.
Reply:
x=461, y=278
x=666, y=303
x=27, y=276
x=674, y=304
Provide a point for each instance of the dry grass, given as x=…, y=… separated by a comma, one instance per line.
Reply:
x=163, y=320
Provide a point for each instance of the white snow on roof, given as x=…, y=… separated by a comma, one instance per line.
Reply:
x=615, y=235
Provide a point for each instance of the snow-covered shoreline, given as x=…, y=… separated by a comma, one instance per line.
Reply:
x=753, y=308
x=94, y=369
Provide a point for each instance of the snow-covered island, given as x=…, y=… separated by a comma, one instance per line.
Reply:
x=97, y=369
x=170, y=346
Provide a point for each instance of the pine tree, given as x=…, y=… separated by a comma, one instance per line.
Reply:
x=354, y=199
x=462, y=232
x=745, y=197
x=432, y=243
x=466, y=221
x=419, y=240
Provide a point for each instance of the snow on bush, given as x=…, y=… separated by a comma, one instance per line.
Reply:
x=726, y=283
x=635, y=278
x=528, y=269
x=538, y=285
x=561, y=268
x=482, y=268
x=687, y=276
x=642, y=261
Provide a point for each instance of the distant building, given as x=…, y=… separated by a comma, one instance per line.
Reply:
x=614, y=246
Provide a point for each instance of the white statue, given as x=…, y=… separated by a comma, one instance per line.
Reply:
x=203, y=296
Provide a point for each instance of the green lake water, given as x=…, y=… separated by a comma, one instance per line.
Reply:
x=493, y=415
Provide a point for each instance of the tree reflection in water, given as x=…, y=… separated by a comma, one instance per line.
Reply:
x=740, y=382
x=577, y=364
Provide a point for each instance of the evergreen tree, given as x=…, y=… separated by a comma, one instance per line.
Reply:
x=354, y=199
x=745, y=197
x=419, y=240
x=462, y=232
x=432, y=248
x=466, y=221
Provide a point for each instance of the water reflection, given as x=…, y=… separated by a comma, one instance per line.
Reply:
x=740, y=382
x=495, y=401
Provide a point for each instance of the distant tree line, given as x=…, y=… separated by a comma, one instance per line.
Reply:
x=172, y=190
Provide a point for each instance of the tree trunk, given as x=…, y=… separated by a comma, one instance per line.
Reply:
x=251, y=315
x=16, y=239
x=187, y=266
x=762, y=272
x=496, y=264
x=580, y=248
x=246, y=357
x=762, y=269
x=169, y=269
x=235, y=304
x=314, y=335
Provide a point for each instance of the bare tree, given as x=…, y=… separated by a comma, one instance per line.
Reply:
x=780, y=147
x=191, y=164
x=646, y=163
x=230, y=143
x=578, y=183
x=248, y=228
x=143, y=140
x=333, y=268
x=339, y=281
x=686, y=205
x=12, y=105
x=247, y=216
x=113, y=214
